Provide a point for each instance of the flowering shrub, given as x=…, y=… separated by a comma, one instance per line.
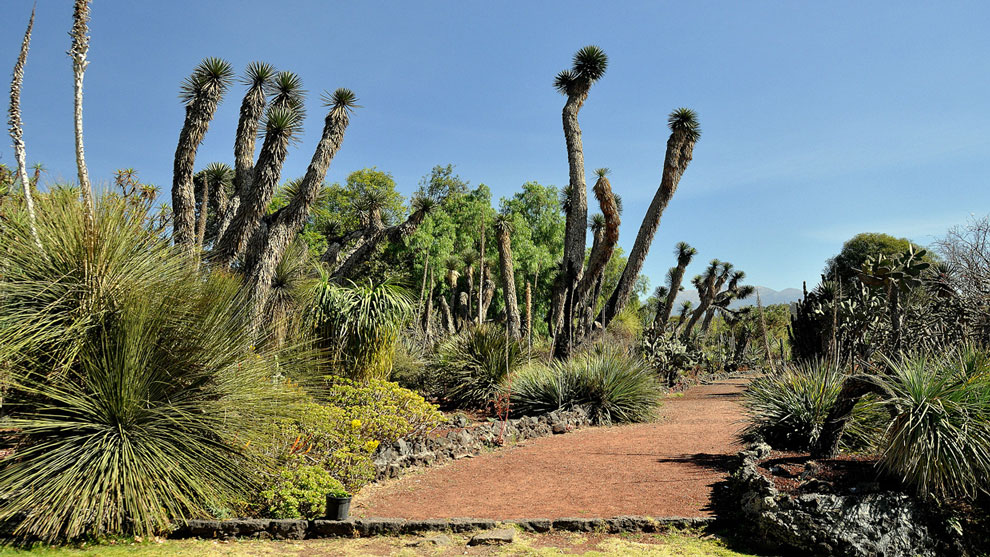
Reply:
x=339, y=435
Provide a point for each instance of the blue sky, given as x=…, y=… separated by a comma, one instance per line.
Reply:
x=820, y=120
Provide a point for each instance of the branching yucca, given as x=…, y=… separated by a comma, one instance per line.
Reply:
x=133, y=390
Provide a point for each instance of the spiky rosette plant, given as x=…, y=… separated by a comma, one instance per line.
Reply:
x=132, y=388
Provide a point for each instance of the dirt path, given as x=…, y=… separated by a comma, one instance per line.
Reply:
x=660, y=469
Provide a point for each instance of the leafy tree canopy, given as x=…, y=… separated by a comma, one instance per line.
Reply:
x=867, y=244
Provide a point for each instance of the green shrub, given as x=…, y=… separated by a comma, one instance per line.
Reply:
x=613, y=387
x=133, y=389
x=301, y=492
x=939, y=440
x=788, y=409
x=668, y=356
x=473, y=365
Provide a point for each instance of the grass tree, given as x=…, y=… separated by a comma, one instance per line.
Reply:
x=684, y=133
x=202, y=92
x=685, y=254
x=503, y=228
x=17, y=126
x=588, y=66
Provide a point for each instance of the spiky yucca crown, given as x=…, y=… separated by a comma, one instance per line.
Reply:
x=218, y=172
x=210, y=78
x=283, y=119
x=340, y=101
x=684, y=253
x=588, y=66
x=258, y=74
x=685, y=120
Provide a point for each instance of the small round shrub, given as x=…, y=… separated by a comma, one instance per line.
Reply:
x=613, y=387
x=300, y=492
x=473, y=365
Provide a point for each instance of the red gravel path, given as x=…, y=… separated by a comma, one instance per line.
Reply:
x=659, y=469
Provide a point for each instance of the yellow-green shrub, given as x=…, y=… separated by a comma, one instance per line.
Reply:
x=300, y=492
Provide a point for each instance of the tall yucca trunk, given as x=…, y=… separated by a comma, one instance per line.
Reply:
x=528, y=331
x=428, y=311
x=80, y=47
x=254, y=204
x=575, y=225
x=17, y=128
x=680, y=148
x=289, y=220
x=676, y=277
x=508, y=281
x=204, y=209
x=199, y=113
x=481, y=274
x=252, y=109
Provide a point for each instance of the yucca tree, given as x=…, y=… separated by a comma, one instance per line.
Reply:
x=684, y=133
x=285, y=224
x=503, y=228
x=606, y=236
x=587, y=67
x=258, y=78
x=281, y=125
x=212, y=196
x=682, y=315
x=660, y=295
x=685, y=254
x=201, y=92
x=720, y=304
x=705, y=284
x=17, y=127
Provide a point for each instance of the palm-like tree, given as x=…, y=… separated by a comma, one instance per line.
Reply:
x=503, y=228
x=212, y=196
x=202, y=93
x=682, y=314
x=660, y=295
x=684, y=133
x=685, y=254
x=588, y=66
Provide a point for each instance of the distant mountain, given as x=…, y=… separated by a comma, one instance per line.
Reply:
x=768, y=297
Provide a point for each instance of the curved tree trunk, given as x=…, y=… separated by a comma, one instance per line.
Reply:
x=508, y=282
x=853, y=389
x=680, y=148
x=676, y=277
x=199, y=113
x=204, y=210
x=17, y=129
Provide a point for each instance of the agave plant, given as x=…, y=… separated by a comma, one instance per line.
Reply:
x=475, y=364
x=938, y=441
x=132, y=387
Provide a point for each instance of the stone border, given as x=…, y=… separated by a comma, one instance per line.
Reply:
x=365, y=527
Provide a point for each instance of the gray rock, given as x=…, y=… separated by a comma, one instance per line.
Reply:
x=419, y=526
x=333, y=529
x=379, y=526
x=201, y=529
x=558, y=428
x=494, y=537
x=245, y=528
x=458, y=525
x=288, y=529
x=539, y=525
x=578, y=524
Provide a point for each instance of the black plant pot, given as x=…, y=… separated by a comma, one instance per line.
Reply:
x=338, y=507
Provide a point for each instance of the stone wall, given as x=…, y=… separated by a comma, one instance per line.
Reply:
x=465, y=442
x=864, y=524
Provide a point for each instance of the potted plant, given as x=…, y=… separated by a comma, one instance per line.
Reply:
x=338, y=503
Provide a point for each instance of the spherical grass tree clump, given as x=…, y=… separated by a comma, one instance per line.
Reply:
x=133, y=386
x=473, y=365
x=614, y=387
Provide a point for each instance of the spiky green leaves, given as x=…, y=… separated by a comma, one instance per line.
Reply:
x=218, y=172
x=211, y=78
x=282, y=120
x=340, y=101
x=258, y=74
x=685, y=120
x=504, y=223
x=587, y=67
x=424, y=203
x=287, y=91
x=596, y=222
x=684, y=253
x=602, y=172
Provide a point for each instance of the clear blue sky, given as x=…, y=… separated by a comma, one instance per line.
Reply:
x=820, y=120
